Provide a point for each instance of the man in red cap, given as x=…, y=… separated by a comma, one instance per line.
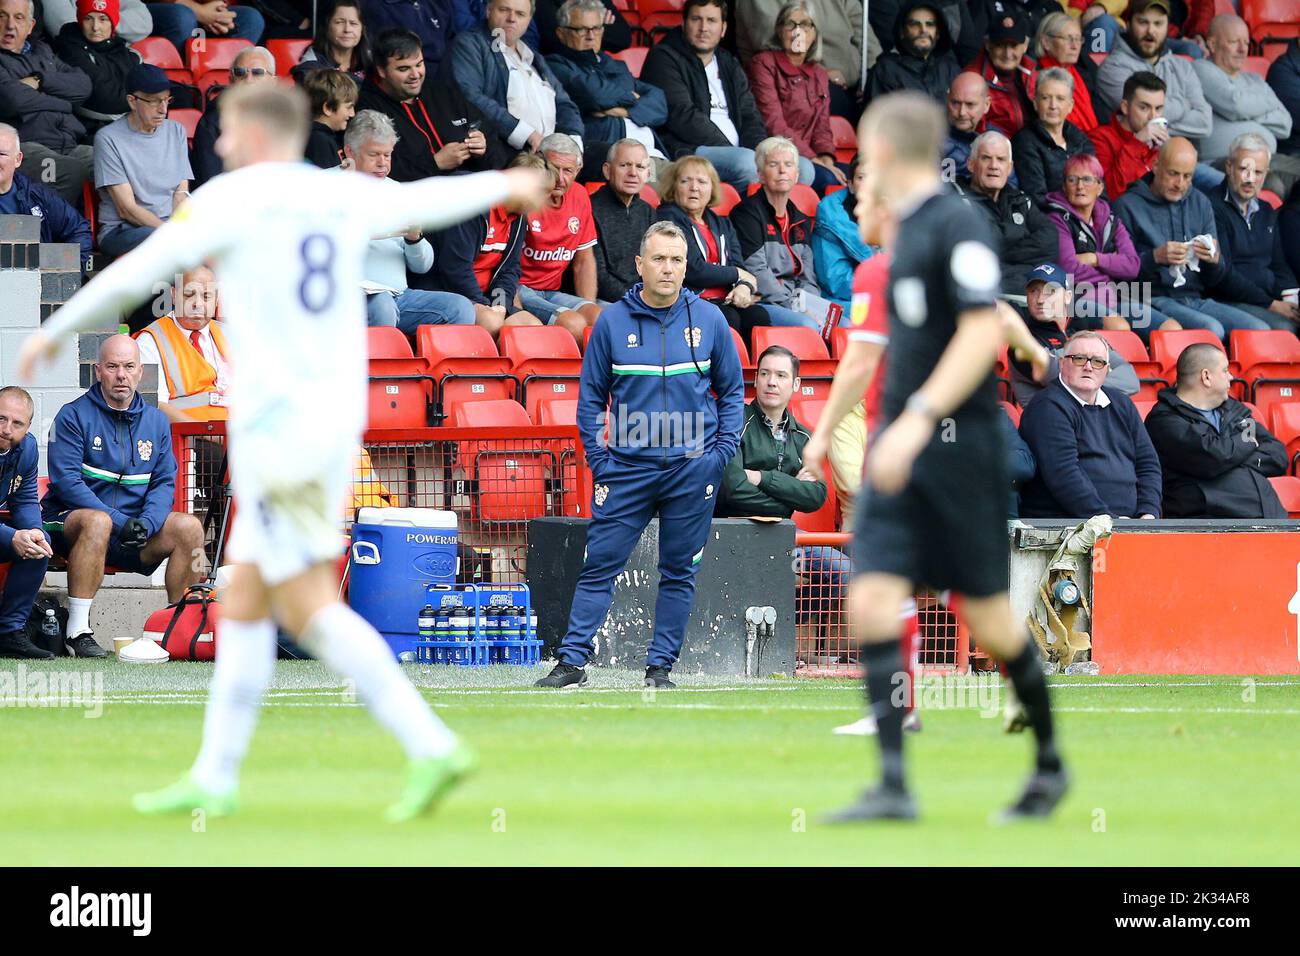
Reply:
x=92, y=45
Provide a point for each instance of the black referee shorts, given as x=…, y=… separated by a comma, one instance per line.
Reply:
x=947, y=529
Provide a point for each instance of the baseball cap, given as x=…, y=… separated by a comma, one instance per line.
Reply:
x=146, y=78
x=1138, y=6
x=1048, y=272
x=1010, y=25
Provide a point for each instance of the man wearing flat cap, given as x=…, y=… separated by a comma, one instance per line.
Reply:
x=142, y=167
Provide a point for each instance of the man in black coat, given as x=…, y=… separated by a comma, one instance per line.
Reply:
x=1028, y=237
x=438, y=130
x=1215, y=458
x=922, y=58
x=711, y=111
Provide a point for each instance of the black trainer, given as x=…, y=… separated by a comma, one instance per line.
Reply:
x=85, y=645
x=17, y=644
x=657, y=677
x=882, y=803
x=1041, y=795
x=564, y=676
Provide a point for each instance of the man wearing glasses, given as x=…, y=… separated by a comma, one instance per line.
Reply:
x=142, y=170
x=614, y=104
x=253, y=65
x=1094, y=455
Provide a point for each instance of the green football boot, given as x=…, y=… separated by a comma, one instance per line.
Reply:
x=428, y=780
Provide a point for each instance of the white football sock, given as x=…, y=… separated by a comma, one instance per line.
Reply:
x=79, y=616
x=349, y=646
x=245, y=661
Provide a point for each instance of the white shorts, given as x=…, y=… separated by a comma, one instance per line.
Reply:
x=285, y=530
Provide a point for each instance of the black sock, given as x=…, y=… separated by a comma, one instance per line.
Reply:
x=885, y=691
x=1026, y=673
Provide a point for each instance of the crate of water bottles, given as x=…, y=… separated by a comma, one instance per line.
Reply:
x=478, y=624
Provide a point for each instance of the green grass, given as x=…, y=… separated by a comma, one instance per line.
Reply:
x=1166, y=771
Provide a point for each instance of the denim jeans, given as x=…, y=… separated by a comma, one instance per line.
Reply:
x=735, y=165
x=1193, y=312
x=1274, y=321
x=178, y=23
x=779, y=315
x=829, y=572
x=545, y=303
x=123, y=239
x=416, y=307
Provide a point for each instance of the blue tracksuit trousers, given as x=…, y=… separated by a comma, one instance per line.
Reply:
x=20, y=588
x=625, y=497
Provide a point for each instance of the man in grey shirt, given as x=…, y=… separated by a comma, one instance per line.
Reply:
x=142, y=168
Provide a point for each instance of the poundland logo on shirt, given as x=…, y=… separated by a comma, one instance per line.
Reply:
x=549, y=255
x=76, y=909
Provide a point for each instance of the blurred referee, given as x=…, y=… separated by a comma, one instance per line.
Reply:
x=934, y=500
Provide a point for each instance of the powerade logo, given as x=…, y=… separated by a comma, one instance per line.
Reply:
x=417, y=538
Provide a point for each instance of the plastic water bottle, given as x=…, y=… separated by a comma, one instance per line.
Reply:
x=425, y=623
x=50, y=628
x=532, y=624
x=510, y=626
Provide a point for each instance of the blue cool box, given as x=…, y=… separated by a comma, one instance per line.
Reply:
x=396, y=553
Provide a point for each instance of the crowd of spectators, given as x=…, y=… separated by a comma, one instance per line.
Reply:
x=1130, y=157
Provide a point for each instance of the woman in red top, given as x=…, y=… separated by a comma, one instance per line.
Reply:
x=792, y=90
x=1060, y=43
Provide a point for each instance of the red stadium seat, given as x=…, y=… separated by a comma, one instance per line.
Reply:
x=649, y=194
x=846, y=139
x=730, y=199
x=805, y=199
x=1013, y=412
x=508, y=478
x=1167, y=346
x=839, y=342
x=287, y=53
x=465, y=366
x=401, y=389
x=1257, y=64
x=545, y=359
x=1270, y=197
x=557, y=411
x=825, y=518
x=188, y=119
x=160, y=52
x=593, y=188
x=214, y=53
x=1256, y=414
x=207, y=81
x=1269, y=363
x=741, y=349
x=629, y=11
x=634, y=57
x=1097, y=57
x=660, y=15
x=1130, y=347
x=1288, y=492
x=1271, y=21
x=1144, y=408
x=1285, y=426
x=90, y=206
x=808, y=413
x=1002, y=374
x=816, y=367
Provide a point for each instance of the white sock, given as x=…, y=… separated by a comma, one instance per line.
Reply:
x=79, y=616
x=349, y=646
x=245, y=662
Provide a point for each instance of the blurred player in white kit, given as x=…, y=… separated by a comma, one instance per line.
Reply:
x=287, y=242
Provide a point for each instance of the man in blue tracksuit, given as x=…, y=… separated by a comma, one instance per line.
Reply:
x=653, y=359
x=23, y=545
x=112, y=482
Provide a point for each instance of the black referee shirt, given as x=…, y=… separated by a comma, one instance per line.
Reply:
x=944, y=262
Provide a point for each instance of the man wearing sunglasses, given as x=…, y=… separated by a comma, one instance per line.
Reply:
x=1094, y=455
x=253, y=65
x=142, y=171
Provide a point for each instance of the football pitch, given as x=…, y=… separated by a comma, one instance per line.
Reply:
x=1189, y=771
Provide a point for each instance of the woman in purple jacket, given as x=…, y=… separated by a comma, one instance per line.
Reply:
x=1097, y=252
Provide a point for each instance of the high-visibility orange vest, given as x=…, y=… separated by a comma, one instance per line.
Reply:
x=190, y=378
x=367, y=490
